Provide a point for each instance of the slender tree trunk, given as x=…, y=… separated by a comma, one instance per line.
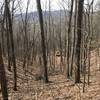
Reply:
x=60, y=42
x=2, y=34
x=8, y=42
x=42, y=41
x=89, y=44
x=12, y=43
x=8, y=46
x=74, y=42
x=26, y=36
x=69, y=40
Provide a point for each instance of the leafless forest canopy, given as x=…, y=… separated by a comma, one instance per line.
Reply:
x=50, y=54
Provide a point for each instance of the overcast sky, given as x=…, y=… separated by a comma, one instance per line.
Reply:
x=44, y=3
x=55, y=4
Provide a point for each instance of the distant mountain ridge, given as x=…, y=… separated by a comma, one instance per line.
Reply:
x=34, y=15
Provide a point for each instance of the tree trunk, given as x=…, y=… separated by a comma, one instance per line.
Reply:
x=69, y=39
x=12, y=43
x=3, y=80
x=42, y=41
x=78, y=44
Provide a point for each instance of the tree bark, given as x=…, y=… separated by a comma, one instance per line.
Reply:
x=42, y=41
x=3, y=80
x=12, y=43
x=69, y=39
x=78, y=44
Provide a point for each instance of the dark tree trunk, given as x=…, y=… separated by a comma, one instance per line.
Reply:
x=3, y=80
x=8, y=45
x=78, y=44
x=42, y=41
x=12, y=43
x=2, y=35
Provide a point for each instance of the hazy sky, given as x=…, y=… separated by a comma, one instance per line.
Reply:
x=44, y=3
x=55, y=4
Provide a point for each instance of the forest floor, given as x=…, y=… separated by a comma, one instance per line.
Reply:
x=59, y=88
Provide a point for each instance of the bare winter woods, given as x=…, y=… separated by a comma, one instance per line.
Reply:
x=50, y=54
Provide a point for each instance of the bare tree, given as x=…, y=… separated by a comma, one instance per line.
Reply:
x=78, y=44
x=12, y=41
x=42, y=40
x=3, y=80
x=26, y=36
x=69, y=39
x=74, y=39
